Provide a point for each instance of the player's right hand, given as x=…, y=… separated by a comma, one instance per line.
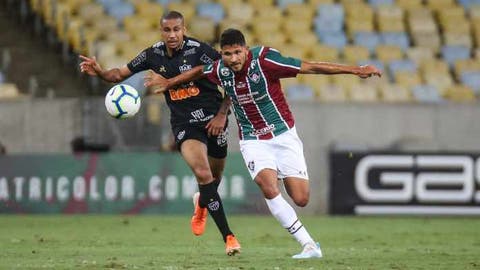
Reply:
x=156, y=81
x=90, y=66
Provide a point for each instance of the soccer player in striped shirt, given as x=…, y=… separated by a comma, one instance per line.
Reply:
x=269, y=142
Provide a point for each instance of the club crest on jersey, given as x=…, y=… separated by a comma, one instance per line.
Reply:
x=225, y=71
x=255, y=77
x=251, y=165
x=184, y=68
x=181, y=134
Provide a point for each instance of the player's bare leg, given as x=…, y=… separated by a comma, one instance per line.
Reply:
x=298, y=189
x=217, y=165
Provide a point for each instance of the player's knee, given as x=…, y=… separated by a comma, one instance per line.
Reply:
x=269, y=191
x=301, y=201
x=203, y=175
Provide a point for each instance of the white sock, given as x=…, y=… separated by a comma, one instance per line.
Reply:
x=287, y=217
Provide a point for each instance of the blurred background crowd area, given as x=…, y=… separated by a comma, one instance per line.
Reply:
x=428, y=49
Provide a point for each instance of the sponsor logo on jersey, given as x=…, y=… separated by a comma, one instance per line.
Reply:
x=180, y=135
x=205, y=59
x=263, y=131
x=241, y=85
x=222, y=138
x=224, y=71
x=251, y=165
x=255, y=77
x=227, y=83
x=189, y=52
x=139, y=59
x=253, y=64
x=184, y=68
x=184, y=93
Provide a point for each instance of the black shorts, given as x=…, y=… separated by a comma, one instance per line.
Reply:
x=216, y=145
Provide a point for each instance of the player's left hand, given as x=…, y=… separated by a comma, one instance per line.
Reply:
x=156, y=81
x=216, y=124
x=369, y=71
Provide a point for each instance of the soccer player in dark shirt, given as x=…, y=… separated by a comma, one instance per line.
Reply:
x=199, y=122
x=269, y=142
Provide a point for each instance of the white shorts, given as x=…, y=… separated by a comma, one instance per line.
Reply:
x=283, y=154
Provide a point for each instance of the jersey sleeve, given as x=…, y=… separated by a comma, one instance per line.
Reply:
x=209, y=54
x=140, y=62
x=282, y=67
x=211, y=72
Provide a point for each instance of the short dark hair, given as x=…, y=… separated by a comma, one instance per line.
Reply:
x=232, y=37
x=172, y=15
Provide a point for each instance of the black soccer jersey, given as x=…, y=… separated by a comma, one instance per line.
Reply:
x=192, y=103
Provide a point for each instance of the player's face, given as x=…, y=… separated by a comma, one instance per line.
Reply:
x=234, y=56
x=173, y=31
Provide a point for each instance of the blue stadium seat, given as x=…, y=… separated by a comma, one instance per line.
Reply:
x=467, y=3
x=399, y=39
x=300, y=92
x=327, y=26
x=335, y=39
x=121, y=10
x=330, y=19
x=454, y=52
x=404, y=65
x=376, y=3
x=166, y=2
x=370, y=40
x=334, y=11
x=427, y=93
x=283, y=3
x=108, y=4
x=472, y=80
x=214, y=11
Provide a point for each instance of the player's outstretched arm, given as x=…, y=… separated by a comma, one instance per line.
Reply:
x=161, y=84
x=93, y=68
x=334, y=68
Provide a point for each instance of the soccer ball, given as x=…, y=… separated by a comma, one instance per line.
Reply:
x=122, y=101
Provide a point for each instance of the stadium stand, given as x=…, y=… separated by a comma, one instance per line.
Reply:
x=422, y=45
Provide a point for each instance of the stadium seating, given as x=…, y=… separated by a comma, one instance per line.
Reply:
x=428, y=49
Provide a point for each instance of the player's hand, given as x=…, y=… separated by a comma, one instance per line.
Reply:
x=90, y=66
x=369, y=71
x=156, y=81
x=216, y=124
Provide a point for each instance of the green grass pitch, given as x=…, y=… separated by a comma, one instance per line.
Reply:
x=166, y=243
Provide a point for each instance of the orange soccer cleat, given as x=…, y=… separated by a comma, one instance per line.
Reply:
x=199, y=218
x=232, y=246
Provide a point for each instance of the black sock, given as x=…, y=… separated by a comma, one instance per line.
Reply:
x=209, y=198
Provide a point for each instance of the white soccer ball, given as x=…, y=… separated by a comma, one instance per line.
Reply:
x=122, y=101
